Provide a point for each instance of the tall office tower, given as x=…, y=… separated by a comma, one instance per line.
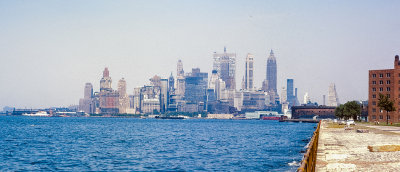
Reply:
x=272, y=72
x=289, y=91
x=108, y=98
x=264, y=86
x=179, y=69
x=123, y=97
x=105, y=82
x=88, y=91
x=213, y=79
x=164, y=95
x=224, y=64
x=248, y=77
x=195, y=86
x=283, y=95
x=180, y=80
x=86, y=104
x=171, y=84
x=291, y=98
x=306, y=99
x=333, y=99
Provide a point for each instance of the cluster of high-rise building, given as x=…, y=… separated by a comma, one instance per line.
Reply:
x=195, y=91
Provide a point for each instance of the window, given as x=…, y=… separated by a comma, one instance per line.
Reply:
x=381, y=89
x=388, y=82
x=374, y=75
x=387, y=74
x=381, y=75
x=380, y=116
x=388, y=95
x=388, y=117
x=374, y=95
x=373, y=103
x=387, y=88
x=380, y=82
x=373, y=117
x=373, y=110
x=374, y=89
x=374, y=82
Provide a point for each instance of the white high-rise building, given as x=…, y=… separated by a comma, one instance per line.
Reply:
x=284, y=95
x=333, y=99
x=180, y=80
x=224, y=64
x=249, y=77
x=306, y=99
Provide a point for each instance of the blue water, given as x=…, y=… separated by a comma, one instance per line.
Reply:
x=114, y=144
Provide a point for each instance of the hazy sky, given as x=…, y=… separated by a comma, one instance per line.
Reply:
x=50, y=49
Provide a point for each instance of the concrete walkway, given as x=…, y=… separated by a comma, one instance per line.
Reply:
x=347, y=150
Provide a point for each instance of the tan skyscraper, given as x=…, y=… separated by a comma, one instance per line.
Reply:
x=249, y=77
x=333, y=99
x=105, y=82
x=123, y=97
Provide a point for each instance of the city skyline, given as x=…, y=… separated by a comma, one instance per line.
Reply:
x=51, y=49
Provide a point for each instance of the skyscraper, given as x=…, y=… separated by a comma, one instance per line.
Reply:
x=179, y=69
x=224, y=64
x=271, y=72
x=123, y=97
x=105, y=82
x=291, y=97
x=88, y=91
x=333, y=99
x=180, y=80
x=248, y=77
x=86, y=104
x=171, y=84
x=108, y=98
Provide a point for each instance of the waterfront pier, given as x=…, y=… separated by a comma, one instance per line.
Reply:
x=361, y=147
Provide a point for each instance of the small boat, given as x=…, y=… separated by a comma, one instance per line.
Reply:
x=169, y=117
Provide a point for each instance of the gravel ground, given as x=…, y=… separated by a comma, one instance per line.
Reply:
x=347, y=150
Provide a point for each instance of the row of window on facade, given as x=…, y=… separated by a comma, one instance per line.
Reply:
x=381, y=89
x=381, y=82
x=381, y=75
x=381, y=111
x=388, y=95
x=381, y=117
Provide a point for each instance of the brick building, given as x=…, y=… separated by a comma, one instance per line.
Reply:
x=308, y=112
x=387, y=82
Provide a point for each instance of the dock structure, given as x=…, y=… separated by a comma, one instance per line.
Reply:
x=300, y=120
x=362, y=147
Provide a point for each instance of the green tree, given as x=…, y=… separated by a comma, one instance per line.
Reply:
x=339, y=111
x=352, y=110
x=384, y=103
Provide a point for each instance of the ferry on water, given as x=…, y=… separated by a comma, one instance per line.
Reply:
x=40, y=113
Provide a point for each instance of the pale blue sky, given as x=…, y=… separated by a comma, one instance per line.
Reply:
x=50, y=49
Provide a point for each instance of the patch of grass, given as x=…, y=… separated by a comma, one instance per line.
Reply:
x=380, y=124
x=335, y=125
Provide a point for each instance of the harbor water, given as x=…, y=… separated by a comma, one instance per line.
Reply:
x=117, y=144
